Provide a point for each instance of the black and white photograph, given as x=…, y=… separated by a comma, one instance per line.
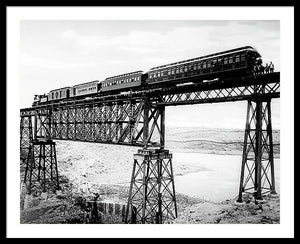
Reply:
x=125, y=116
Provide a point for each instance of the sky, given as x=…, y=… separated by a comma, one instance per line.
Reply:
x=56, y=54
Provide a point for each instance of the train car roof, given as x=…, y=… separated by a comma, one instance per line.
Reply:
x=126, y=74
x=206, y=56
x=61, y=88
x=86, y=83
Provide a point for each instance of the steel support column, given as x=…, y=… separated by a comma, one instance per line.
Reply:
x=152, y=193
x=258, y=158
x=26, y=135
x=41, y=166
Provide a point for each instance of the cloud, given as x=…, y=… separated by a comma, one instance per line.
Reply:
x=28, y=60
x=185, y=41
x=69, y=34
x=115, y=61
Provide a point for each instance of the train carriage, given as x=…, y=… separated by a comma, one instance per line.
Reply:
x=123, y=82
x=61, y=93
x=219, y=65
x=87, y=88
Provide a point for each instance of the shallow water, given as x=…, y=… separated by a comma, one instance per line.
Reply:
x=218, y=177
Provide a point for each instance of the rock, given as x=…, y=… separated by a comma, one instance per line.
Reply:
x=27, y=201
x=30, y=201
x=44, y=195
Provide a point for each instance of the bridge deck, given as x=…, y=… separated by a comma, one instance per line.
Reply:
x=233, y=89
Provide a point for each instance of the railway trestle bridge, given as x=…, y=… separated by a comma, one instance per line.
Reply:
x=138, y=119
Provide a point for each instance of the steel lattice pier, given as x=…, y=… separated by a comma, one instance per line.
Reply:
x=152, y=191
x=25, y=136
x=257, y=172
x=41, y=166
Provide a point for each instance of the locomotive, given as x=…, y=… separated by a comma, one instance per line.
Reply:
x=231, y=63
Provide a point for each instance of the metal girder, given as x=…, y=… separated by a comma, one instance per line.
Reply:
x=131, y=122
x=222, y=94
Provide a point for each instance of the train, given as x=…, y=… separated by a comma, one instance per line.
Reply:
x=231, y=63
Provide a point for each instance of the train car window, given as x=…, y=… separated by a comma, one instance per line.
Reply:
x=169, y=72
x=59, y=93
x=172, y=72
x=230, y=60
x=52, y=95
x=185, y=69
x=177, y=71
x=208, y=65
x=243, y=57
x=158, y=75
x=194, y=67
x=199, y=66
x=204, y=65
x=180, y=70
x=226, y=60
x=237, y=58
